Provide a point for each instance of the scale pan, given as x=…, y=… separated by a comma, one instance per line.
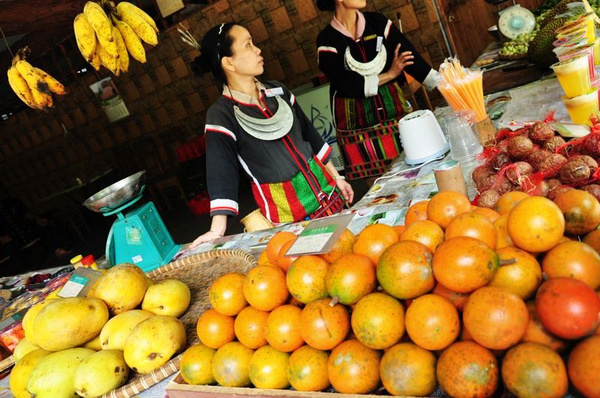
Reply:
x=117, y=194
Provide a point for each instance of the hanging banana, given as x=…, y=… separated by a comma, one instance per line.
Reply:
x=85, y=36
x=123, y=60
x=20, y=87
x=138, y=24
x=99, y=20
x=132, y=41
x=129, y=7
x=53, y=85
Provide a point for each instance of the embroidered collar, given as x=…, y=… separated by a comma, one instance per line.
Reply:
x=244, y=98
x=360, y=26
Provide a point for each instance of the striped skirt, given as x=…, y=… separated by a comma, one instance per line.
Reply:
x=367, y=131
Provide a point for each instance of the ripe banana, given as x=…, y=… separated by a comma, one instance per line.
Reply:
x=122, y=50
x=96, y=62
x=54, y=85
x=34, y=80
x=99, y=20
x=20, y=87
x=85, y=36
x=132, y=41
x=109, y=62
x=125, y=6
x=138, y=24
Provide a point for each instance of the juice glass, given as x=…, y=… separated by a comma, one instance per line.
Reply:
x=574, y=76
x=579, y=36
x=584, y=22
x=580, y=108
x=585, y=51
x=597, y=52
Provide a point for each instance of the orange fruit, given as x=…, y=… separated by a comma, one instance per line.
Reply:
x=284, y=261
x=215, y=329
x=378, y=321
x=196, y=365
x=537, y=333
x=432, y=322
x=536, y=224
x=374, y=239
x=264, y=260
x=444, y=206
x=307, y=369
x=404, y=271
x=306, y=279
x=399, y=230
x=495, y=318
x=502, y=237
x=593, y=239
x=264, y=287
x=231, y=365
x=509, y=200
x=473, y=225
x=574, y=260
x=268, y=368
x=416, y=212
x=458, y=300
x=283, y=328
x=466, y=369
x=417, y=377
x=354, y=368
x=581, y=210
x=491, y=215
x=350, y=278
x=534, y=370
x=464, y=264
x=343, y=246
x=226, y=294
x=584, y=366
x=275, y=243
x=426, y=232
x=250, y=327
x=324, y=326
x=522, y=277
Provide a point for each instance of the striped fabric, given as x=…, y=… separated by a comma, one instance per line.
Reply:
x=367, y=131
x=295, y=200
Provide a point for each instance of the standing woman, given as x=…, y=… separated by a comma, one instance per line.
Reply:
x=364, y=55
x=260, y=126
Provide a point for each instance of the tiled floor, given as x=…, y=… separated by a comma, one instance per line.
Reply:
x=183, y=225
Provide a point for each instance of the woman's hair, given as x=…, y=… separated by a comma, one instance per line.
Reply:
x=215, y=45
x=326, y=5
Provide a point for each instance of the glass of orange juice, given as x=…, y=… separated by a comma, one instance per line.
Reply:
x=580, y=108
x=574, y=76
x=586, y=50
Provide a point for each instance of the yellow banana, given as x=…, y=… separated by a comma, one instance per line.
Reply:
x=85, y=36
x=134, y=9
x=138, y=24
x=122, y=50
x=102, y=26
x=34, y=80
x=132, y=41
x=108, y=61
x=54, y=85
x=96, y=62
x=20, y=87
x=42, y=99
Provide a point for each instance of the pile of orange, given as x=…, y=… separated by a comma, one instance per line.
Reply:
x=455, y=299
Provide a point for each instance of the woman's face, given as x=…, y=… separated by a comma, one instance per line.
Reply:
x=246, y=59
x=353, y=4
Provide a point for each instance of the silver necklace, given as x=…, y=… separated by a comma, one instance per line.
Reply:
x=373, y=67
x=269, y=129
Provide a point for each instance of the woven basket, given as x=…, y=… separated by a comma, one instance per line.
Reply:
x=198, y=272
x=255, y=221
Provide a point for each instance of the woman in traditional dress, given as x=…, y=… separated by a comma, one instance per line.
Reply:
x=261, y=127
x=364, y=55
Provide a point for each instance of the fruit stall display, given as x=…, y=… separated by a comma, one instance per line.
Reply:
x=461, y=300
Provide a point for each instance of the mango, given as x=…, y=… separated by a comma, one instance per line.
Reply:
x=23, y=348
x=69, y=322
x=21, y=371
x=54, y=375
x=101, y=373
x=153, y=343
x=122, y=288
x=114, y=334
x=93, y=344
x=29, y=318
x=168, y=297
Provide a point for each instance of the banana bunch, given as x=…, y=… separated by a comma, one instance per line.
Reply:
x=32, y=85
x=107, y=35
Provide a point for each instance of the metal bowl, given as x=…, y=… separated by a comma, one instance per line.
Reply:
x=117, y=194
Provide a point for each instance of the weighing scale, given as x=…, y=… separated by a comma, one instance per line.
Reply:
x=139, y=236
x=513, y=20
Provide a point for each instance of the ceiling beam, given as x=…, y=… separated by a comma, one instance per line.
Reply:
x=42, y=16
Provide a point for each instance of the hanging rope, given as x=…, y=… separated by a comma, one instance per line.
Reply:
x=7, y=45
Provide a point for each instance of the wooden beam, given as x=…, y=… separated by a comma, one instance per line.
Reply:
x=26, y=16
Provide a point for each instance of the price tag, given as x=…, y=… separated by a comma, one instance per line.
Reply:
x=319, y=236
x=80, y=283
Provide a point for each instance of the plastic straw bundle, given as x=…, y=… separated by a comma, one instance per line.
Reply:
x=462, y=88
